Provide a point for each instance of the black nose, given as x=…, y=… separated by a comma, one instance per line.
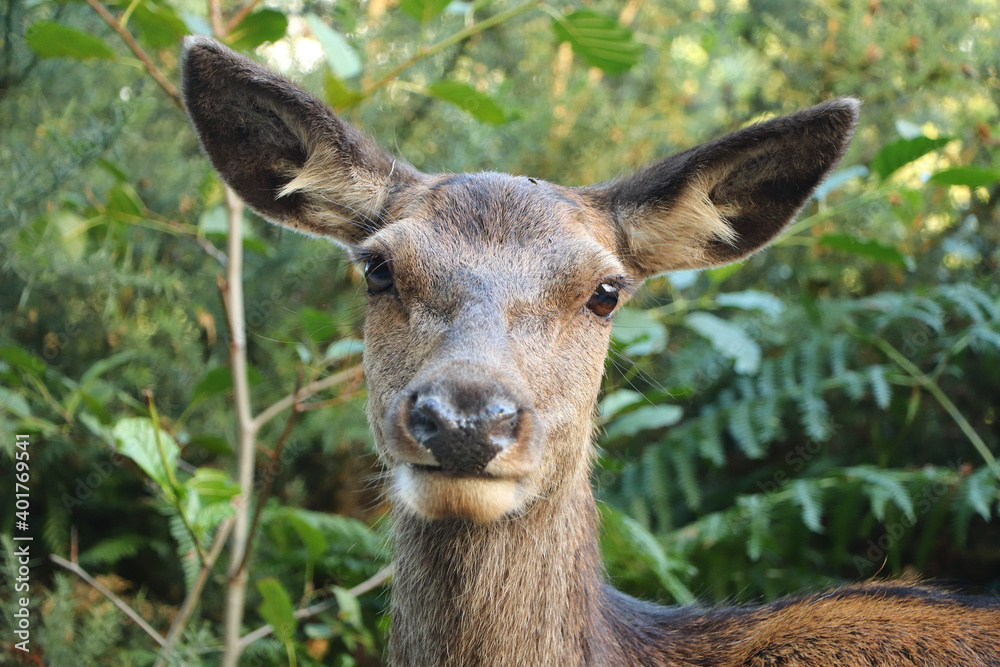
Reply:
x=463, y=430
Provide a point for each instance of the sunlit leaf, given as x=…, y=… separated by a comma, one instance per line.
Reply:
x=901, y=152
x=870, y=249
x=423, y=10
x=645, y=418
x=342, y=59
x=467, y=98
x=639, y=332
x=159, y=23
x=752, y=300
x=266, y=25
x=974, y=177
x=55, y=40
x=338, y=94
x=600, y=40
x=136, y=438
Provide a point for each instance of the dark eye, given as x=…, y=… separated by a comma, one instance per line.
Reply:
x=603, y=301
x=378, y=275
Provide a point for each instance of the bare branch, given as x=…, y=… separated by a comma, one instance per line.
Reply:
x=240, y=15
x=103, y=590
x=269, y=475
x=372, y=582
x=151, y=67
x=427, y=51
x=194, y=595
x=310, y=389
x=232, y=296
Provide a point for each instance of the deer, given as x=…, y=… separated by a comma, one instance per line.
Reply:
x=490, y=302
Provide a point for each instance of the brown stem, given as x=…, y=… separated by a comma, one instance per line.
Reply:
x=215, y=18
x=232, y=292
x=269, y=475
x=315, y=387
x=194, y=595
x=240, y=15
x=427, y=51
x=118, y=602
x=151, y=67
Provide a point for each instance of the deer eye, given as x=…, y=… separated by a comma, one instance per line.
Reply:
x=378, y=275
x=603, y=301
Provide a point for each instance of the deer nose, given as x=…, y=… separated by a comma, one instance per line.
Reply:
x=464, y=431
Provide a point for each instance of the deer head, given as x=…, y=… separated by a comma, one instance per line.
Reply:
x=491, y=297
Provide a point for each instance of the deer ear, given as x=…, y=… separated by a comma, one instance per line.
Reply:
x=286, y=154
x=724, y=200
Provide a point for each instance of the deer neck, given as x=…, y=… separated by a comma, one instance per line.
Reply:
x=524, y=591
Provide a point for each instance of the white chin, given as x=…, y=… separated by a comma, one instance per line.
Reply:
x=436, y=496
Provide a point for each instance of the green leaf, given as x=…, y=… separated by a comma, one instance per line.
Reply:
x=124, y=203
x=342, y=59
x=266, y=25
x=212, y=486
x=901, y=152
x=729, y=340
x=639, y=332
x=467, y=98
x=55, y=40
x=423, y=10
x=136, y=438
x=644, y=418
x=974, y=177
x=338, y=94
x=617, y=401
x=649, y=550
x=600, y=40
x=752, y=300
x=350, y=608
x=26, y=361
x=159, y=23
x=211, y=443
x=276, y=609
x=220, y=380
x=99, y=368
x=311, y=536
x=344, y=348
x=870, y=249
x=319, y=326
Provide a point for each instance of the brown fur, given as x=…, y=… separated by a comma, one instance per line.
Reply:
x=491, y=277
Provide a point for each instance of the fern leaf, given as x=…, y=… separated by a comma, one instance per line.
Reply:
x=815, y=416
x=978, y=491
x=741, y=428
x=687, y=478
x=758, y=515
x=880, y=387
x=807, y=497
x=710, y=440
x=883, y=487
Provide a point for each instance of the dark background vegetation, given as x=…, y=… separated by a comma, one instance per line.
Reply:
x=822, y=413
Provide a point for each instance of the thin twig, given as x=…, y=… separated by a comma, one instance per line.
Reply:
x=935, y=390
x=215, y=18
x=240, y=15
x=151, y=67
x=194, y=595
x=235, y=314
x=372, y=582
x=315, y=387
x=269, y=475
x=118, y=602
x=427, y=51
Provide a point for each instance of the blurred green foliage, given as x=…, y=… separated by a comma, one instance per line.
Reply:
x=823, y=413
